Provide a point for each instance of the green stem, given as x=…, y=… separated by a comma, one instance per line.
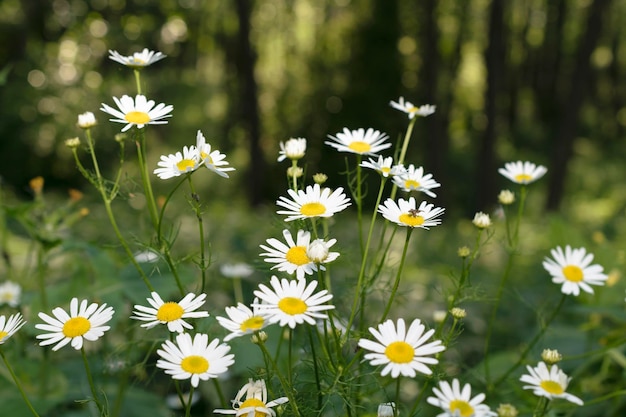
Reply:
x=315, y=370
x=18, y=385
x=220, y=393
x=138, y=80
x=162, y=212
x=198, y=211
x=294, y=165
x=287, y=387
x=405, y=146
x=188, y=403
x=145, y=177
x=396, y=283
x=542, y=407
x=359, y=202
x=94, y=392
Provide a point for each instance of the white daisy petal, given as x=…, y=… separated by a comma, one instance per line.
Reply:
x=405, y=213
x=548, y=382
x=170, y=313
x=137, y=112
x=411, y=110
x=459, y=403
x=571, y=269
x=359, y=141
x=137, y=60
x=255, y=402
x=8, y=327
x=312, y=202
x=522, y=172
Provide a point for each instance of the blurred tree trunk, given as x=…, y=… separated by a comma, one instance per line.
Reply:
x=248, y=103
x=572, y=101
x=495, y=63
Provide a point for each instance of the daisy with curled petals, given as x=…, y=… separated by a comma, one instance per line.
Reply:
x=548, y=382
x=255, y=403
x=573, y=269
x=359, y=141
x=313, y=202
x=411, y=110
x=292, y=302
x=457, y=402
x=384, y=166
x=404, y=213
x=523, y=172
x=293, y=149
x=413, y=179
x=242, y=320
x=403, y=352
x=213, y=160
x=291, y=257
x=85, y=321
x=194, y=359
x=138, y=111
x=177, y=164
x=9, y=326
x=137, y=60
x=171, y=313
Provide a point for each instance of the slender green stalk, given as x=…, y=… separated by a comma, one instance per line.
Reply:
x=287, y=387
x=145, y=177
x=396, y=283
x=220, y=393
x=397, y=396
x=188, y=403
x=316, y=370
x=294, y=178
x=18, y=385
x=359, y=202
x=542, y=407
x=405, y=146
x=94, y=392
x=138, y=80
x=198, y=211
x=41, y=276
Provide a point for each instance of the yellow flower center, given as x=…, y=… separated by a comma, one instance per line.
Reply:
x=207, y=157
x=359, y=146
x=169, y=312
x=552, y=387
x=463, y=407
x=523, y=178
x=254, y=402
x=573, y=273
x=195, y=364
x=185, y=164
x=411, y=220
x=76, y=326
x=137, y=117
x=297, y=256
x=385, y=170
x=411, y=184
x=412, y=109
x=3, y=334
x=312, y=209
x=292, y=305
x=400, y=352
x=253, y=323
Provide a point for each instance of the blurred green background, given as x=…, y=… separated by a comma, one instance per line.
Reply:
x=537, y=80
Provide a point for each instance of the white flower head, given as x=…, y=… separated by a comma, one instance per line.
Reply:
x=293, y=302
x=410, y=109
x=214, y=160
x=384, y=166
x=236, y=270
x=194, y=359
x=87, y=120
x=242, y=320
x=548, y=382
x=137, y=60
x=319, y=251
x=177, y=164
x=293, y=149
x=481, y=220
x=386, y=410
x=171, y=313
x=10, y=293
x=9, y=326
x=405, y=213
x=255, y=403
x=313, y=202
x=414, y=179
x=138, y=111
x=457, y=402
x=401, y=351
x=359, y=141
x=572, y=268
x=84, y=322
x=522, y=172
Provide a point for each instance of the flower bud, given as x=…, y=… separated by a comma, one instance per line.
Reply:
x=295, y=172
x=463, y=252
x=507, y=410
x=72, y=143
x=506, y=197
x=317, y=251
x=481, y=220
x=551, y=356
x=36, y=184
x=320, y=178
x=86, y=120
x=259, y=337
x=458, y=313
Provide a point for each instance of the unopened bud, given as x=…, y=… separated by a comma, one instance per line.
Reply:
x=259, y=337
x=317, y=251
x=481, y=220
x=463, y=252
x=506, y=197
x=295, y=172
x=458, y=313
x=320, y=178
x=72, y=143
x=551, y=356
x=36, y=184
x=507, y=410
x=86, y=120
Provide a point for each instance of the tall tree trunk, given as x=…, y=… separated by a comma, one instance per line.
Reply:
x=248, y=103
x=573, y=99
x=495, y=62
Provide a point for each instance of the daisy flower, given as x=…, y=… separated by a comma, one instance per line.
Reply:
x=138, y=111
x=194, y=359
x=255, y=403
x=291, y=257
x=137, y=60
x=174, y=165
x=293, y=149
x=292, y=302
x=548, y=382
x=384, y=166
x=85, y=321
x=242, y=320
x=523, y=172
x=9, y=326
x=403, y=352
x=319, y=252
x=313, y=202
x=359, y=141
x=404, y=213
x=213, y=160
x=413, y=179
x=411, y=110
x=457, y=402
x=10, y=293
x=171, y=313
x=86, y=120
x=572, y=269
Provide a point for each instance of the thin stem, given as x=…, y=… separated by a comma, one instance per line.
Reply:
x=405, y=146
x=542, y=407
x=145, y=177
x=359, y=202
x=138, y=80
x=315, y=370
x=188, y=403
x=220, y=393
x=94, y=392
x=287, y=387
x=18, y=385
x=396, y=283
x=198, y=211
